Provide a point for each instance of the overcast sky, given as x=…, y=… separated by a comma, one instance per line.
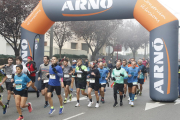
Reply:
x=173, y=6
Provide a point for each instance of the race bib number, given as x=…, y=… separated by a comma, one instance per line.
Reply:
x=118, y=78
x=18, y=87
x=45, y=81
x=66, y=75
x=134, y=83
x=52, y=77
x=9, y=76
x=92, y=80
x=79, y=75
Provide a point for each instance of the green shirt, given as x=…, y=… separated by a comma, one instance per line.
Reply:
x=81, y=77
x=116, y=73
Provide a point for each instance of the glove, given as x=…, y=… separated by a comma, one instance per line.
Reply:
x=114, y=79
x=54, y=70
x=48, y=76
x=26, y=88
x=121, y=75
x=135, y=77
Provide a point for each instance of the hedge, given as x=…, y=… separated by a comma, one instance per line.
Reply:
x=6, y=56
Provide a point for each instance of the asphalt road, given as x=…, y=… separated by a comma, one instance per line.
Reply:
x=104, y=112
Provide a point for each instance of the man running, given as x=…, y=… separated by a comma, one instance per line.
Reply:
x=80, y=73
x=21, y=83
x=8, y=71
x=104, y=75
x=73, y=77
x=55, y=75
x=118, y=75
x=3, y=106
x=43, y=72
x=124, y=65
x=67, y=70
x=133, y=74
x=31, y=65
x=142, y=76
x=94, y=76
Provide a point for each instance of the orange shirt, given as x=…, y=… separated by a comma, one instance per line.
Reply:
x=131, y=65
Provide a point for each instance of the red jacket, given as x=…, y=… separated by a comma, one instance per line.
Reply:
x=32, y=68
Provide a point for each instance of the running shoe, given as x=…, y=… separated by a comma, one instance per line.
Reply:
x=71, y=90
x=46, y=105
x=61, y=110
x=20, y=118
x=38, y=93
x=97, y=105
x=102, y=100
x=70, y=97
x=64, y=94
x=137, y=91
x=77, y=105
x=121, y=103
x=128, y=98
x=135, y=97
x=51, y=111
x=129, y=102
x=124, y=95
x=132, y=104
x=7, y=105
x=30, y=107
x=5, y=109
x=115, y=104
x=65, y=101
x=90, y=104
x=140, y=93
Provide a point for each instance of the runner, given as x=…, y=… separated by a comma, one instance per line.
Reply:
x=142, y=76
x=94, y=84
x=81, y=73
x=73, y=77
x=88, y=69
x=133, y=74
x=3, y=106
x=8, y=71
x=21, y=83
x=43, y=71
x=118, y=75
x=104, y=75
x=31, y=65
x=124, y=65
x=55, y=75
x=67, y=70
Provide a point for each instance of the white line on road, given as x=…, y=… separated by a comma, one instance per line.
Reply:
x=73, y=116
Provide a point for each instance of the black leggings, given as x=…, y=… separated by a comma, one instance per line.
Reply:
x=117, y=87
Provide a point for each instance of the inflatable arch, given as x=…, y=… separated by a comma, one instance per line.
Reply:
x=162, y=25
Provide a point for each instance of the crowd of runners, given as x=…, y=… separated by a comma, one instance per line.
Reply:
x=125, y=76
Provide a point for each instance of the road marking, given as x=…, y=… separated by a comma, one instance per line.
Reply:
x=74, y=116
x=177, y=102
x=153, y=105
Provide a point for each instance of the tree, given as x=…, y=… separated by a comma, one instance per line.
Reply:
x=132, y=35
x=95, y=33
x=62, y=34
x=12, y=13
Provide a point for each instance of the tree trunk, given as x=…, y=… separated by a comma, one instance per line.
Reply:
x=16, y=51
x=145, y=50
x=60, y=52
x=134, y=54
x=93, y=56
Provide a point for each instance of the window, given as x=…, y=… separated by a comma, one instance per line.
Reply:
x=73, y=45
x=85, y=47
x=45, y=43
